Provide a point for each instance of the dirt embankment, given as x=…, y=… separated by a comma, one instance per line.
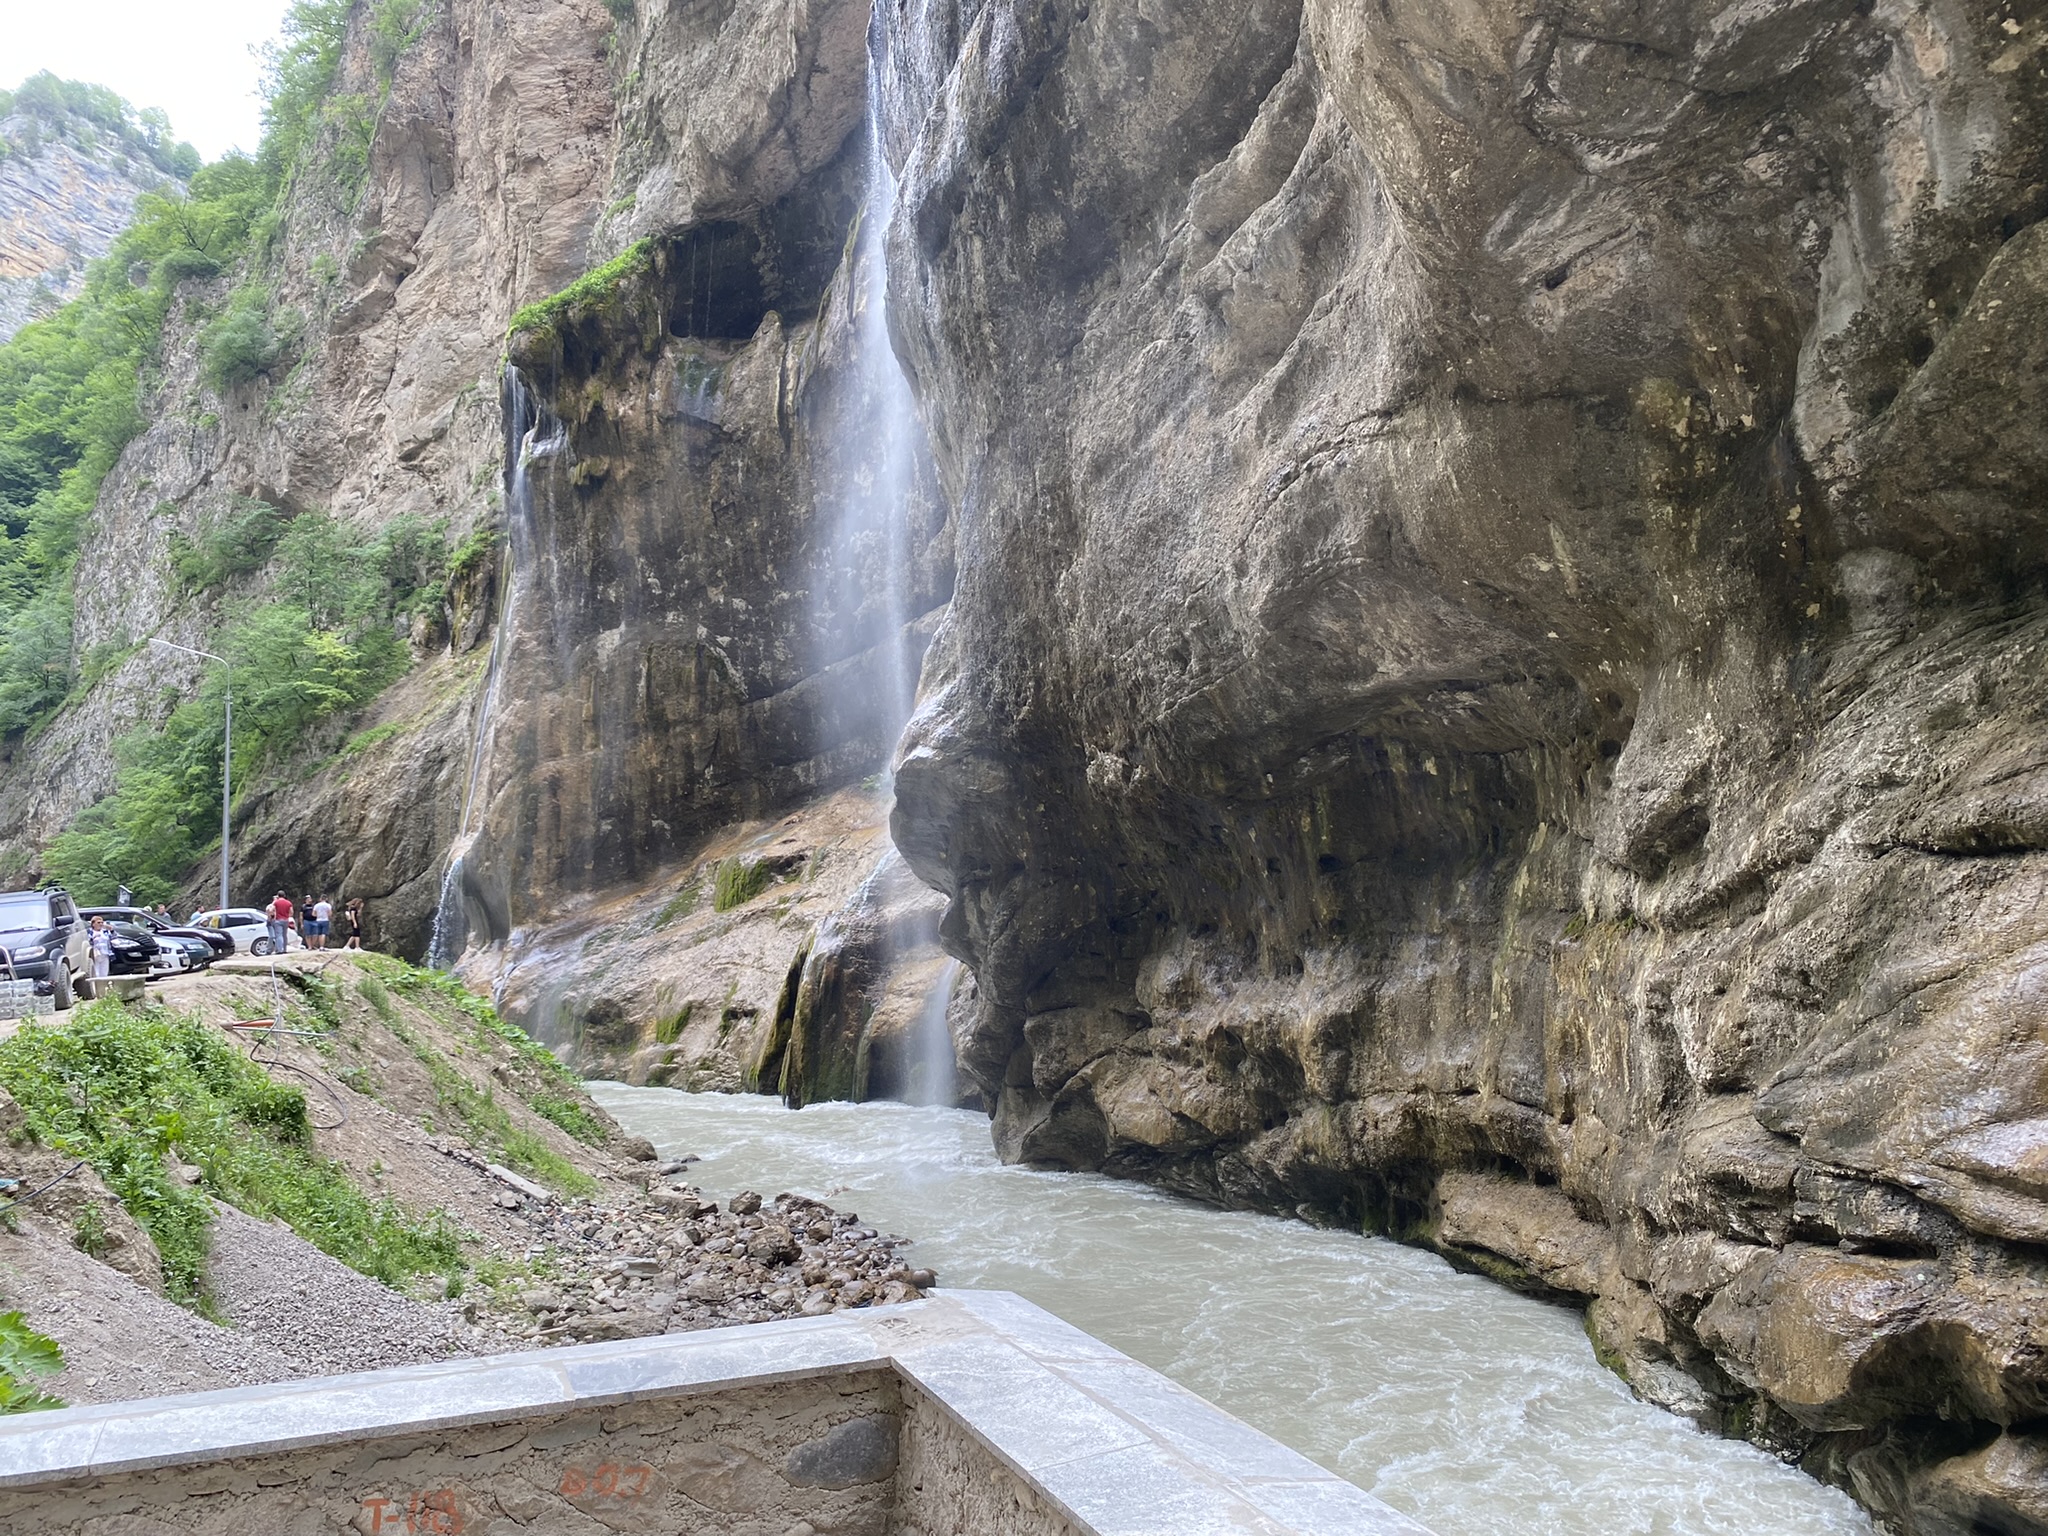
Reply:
x=559, y=1227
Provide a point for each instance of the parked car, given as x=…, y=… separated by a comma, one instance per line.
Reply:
x=248, y=927
x=212, y=942
x=42, y=939
x=177, y=954
x=135, y=950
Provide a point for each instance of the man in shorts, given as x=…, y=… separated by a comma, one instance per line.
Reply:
x=322, y=920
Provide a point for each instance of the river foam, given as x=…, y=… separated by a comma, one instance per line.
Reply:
x=1479, y=1412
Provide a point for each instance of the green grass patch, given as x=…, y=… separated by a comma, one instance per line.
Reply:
x=419, y=983
x=669, y=1031
x=375, y=736
x=738, y=882
x=679, y=906
x=121, y=1089
x=591, y=290
x=486, y=1122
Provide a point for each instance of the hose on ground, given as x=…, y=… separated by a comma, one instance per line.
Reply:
x=43, y=1190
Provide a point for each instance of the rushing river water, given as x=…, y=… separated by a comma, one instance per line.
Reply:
x=1477, y=1411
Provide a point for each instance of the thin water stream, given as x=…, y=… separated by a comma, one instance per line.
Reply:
x=1477, y=1411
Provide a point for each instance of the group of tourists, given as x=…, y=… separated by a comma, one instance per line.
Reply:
x=313, y=920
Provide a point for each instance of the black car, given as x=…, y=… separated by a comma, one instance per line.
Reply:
x=43, y=939
x=217, y=944
x=134, y=950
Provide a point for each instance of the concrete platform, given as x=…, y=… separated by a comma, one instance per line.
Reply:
x=970, y=1411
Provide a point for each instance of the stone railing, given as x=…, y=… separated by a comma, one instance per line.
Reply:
x=971, y=1412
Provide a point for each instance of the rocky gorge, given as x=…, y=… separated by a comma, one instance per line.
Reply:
x=1474, y=580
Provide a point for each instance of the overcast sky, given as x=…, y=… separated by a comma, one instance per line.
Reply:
x=190, y=57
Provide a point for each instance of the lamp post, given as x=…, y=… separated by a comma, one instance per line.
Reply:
x=227, y=751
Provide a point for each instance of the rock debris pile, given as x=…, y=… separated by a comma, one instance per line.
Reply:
x=673, y=1261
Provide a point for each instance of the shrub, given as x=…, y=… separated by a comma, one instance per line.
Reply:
x=242, y=541
x=240, y=345
x=25, y=1353
x=395, y=25
x=164, y=814
x=593, y=288
x=122, y=1088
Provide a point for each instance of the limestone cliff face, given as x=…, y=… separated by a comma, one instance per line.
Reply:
x=1495, y=682
x=699, y=629
x=66, y=193
x=483, y=186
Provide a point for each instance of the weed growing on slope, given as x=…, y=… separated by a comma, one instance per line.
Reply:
x=556, y=1097
x=121, y=1089
x=25, y=1353
x=485, y=1121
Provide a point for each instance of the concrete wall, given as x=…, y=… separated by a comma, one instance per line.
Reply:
x=970, y=1412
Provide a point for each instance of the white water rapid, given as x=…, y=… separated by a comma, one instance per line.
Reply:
x=1479, y=1412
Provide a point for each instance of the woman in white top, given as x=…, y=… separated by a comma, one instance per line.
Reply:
x=102, y=952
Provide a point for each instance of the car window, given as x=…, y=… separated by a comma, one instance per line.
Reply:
x=25, y=913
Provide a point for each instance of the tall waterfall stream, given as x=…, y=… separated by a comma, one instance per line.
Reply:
x=1479, y=1412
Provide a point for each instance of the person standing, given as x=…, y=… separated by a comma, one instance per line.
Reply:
x=278, y=917
x=102, y=938
x=353, y=913
x=305, y=915
x=323, y=920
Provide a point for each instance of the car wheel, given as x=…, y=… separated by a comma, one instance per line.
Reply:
x=261, y=947
x=60, y=987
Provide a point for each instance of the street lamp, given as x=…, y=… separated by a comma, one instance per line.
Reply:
x=227, y=751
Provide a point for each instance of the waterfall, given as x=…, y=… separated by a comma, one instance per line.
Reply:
x=866, y=584
x=932, y=1064
x=533, y=435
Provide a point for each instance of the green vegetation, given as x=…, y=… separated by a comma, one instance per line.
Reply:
x=678, y=906
x=487, y=1124
x=555, y=1096
x=395, y=25
x=593, y=288
x=738, y=882
x=241, y=344
x=324, y=648
x=68, y=405
x=476, y=550
x=121, y=1089
x=374, y=737
x=241, y=541
x=73, y=110
x=163, y=815
x=669, y=1031
x=314, y=134
x=70, y=384
x=25, y=1353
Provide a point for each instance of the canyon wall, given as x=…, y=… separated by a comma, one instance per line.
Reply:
x=67, y=189
x=479, y=191
x=1494, y=688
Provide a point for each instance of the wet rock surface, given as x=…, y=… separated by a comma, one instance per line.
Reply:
x=1493, y=687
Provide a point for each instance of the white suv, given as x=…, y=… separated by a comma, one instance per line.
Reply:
x=247, y=926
